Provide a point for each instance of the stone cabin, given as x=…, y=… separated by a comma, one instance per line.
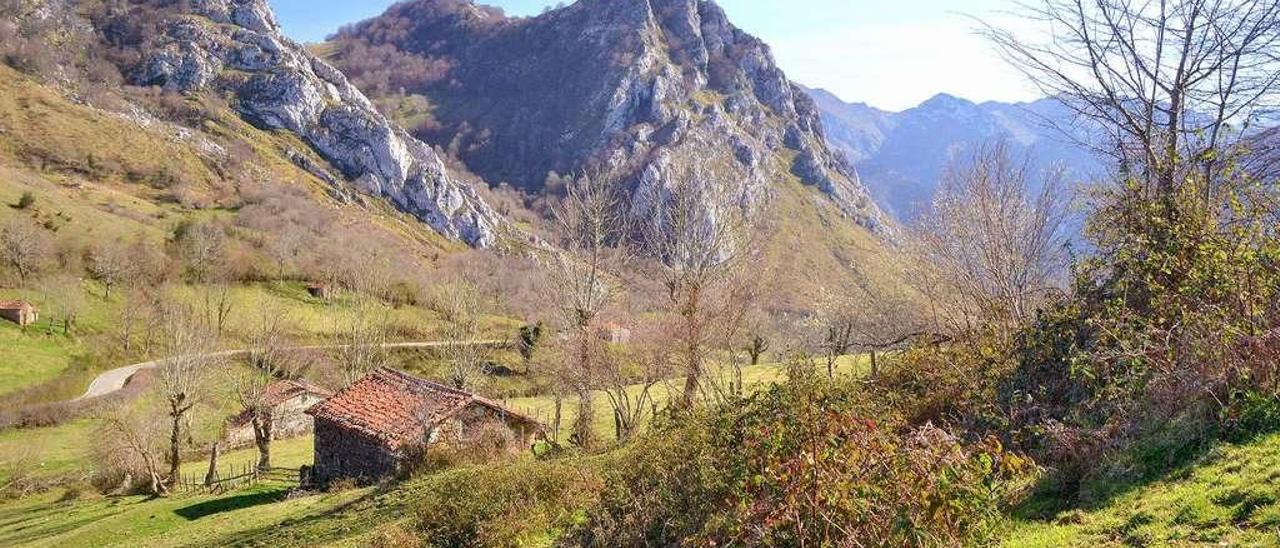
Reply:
x=319, y=291
x=615, y=334
x=22, y=313
x=289, y=401
x=367, y=431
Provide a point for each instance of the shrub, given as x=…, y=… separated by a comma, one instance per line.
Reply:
x=26, y=200
x=396, y=536
x=342, y=484
x=490, y=442
x=802, y=464
x=508, y=505
x=1251, y=414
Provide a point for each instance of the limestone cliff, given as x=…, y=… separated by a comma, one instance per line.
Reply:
x=635, y=89
x=236, y=48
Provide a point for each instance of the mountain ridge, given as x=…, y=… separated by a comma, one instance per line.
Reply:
x=901, y=156
x=637, y=90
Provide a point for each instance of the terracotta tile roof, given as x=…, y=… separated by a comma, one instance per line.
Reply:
x=14, y=305
x=282, y=391
x=394, y=407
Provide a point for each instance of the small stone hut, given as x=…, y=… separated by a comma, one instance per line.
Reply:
x=22, y=313
x=615, y=334
x=288, y=401
x=319, y=291
x=367, y=431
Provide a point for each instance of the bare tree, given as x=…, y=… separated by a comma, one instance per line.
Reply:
x=993, y=249
x=110, y=263
x=585, y=280
x=466, y=355
x=24, y=247
x=201, y=247
x=889, y=318
x=1177, y=82
x=131, y=442
x=64, y=300
x=757, y=345
x=218, y=303
x=363, y=337
x=838, y=319
x=629, y=383
x=271, y=359
x=698, y=237
x=189, y=362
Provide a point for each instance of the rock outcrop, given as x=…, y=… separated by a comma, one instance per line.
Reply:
x=235, y=47
x=641, y=90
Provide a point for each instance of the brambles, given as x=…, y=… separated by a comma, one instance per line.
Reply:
x=803, y=463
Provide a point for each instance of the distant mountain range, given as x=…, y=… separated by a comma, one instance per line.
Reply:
x=901, y=156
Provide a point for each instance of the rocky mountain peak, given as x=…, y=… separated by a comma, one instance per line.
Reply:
x=632, y=89
x=235, y=48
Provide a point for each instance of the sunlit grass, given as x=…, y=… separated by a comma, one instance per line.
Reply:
x=1230, y=497
x=753, y=378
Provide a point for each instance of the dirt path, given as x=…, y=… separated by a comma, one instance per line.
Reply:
x=114, y=380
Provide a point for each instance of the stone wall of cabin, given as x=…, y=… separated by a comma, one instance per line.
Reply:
x=344, y=453
x=20, y=316
x=290, y=421
x=466, y=422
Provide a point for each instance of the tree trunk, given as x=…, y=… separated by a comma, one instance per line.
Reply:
x=175, y=446
x=583, y=431
x=157, y=487
x=263, y=432
x=693, y=375
x=555, y=430
x=211, y=477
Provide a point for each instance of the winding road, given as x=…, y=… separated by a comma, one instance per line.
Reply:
x=114, y=380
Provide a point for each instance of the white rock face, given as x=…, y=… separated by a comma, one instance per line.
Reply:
x=236, y=46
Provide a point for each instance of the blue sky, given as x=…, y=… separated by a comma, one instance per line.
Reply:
x=892, y=54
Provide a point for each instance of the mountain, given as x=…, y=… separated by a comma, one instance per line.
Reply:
x=1264, y=161
x=856, y=129
x=638, y=90
x=235, y=48
x=901, y=156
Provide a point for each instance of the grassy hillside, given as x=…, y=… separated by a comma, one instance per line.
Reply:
x=1229, y=497
x=43, y=355
x=92, y=187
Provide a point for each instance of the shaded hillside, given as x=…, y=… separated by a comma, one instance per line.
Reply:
x=901, y=156
x=639, y=90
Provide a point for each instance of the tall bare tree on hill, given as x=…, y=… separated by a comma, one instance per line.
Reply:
x=24, y=247
x=182, y=377
x=1177, y=81
x=585, y=278
x=698, y=237
x=271, y=359
x=462, y=307
x=994, y=248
